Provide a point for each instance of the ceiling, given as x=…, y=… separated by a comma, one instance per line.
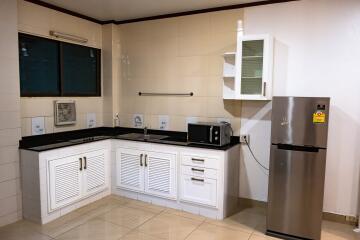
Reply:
x=119, y=10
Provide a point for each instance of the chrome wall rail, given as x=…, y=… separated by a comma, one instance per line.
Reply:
x=166, y=94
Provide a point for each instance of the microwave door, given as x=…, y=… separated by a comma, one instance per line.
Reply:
x=200, y=134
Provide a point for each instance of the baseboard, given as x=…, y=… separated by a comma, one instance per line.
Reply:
x=340, y=218
x=250, y=203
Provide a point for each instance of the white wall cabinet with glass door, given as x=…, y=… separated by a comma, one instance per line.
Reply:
x=252, y=68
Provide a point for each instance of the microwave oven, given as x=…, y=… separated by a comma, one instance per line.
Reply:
x=216, y=134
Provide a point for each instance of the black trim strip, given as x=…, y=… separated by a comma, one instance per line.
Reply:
x=284, y=235
x=170, y=15
x=298, y=148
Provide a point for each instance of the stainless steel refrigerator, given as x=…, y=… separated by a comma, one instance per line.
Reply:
x=299, y=130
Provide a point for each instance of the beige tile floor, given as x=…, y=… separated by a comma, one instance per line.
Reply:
x=116, y=218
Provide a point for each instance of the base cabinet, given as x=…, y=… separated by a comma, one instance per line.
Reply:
x=65, y=181
x=160, y=174
x=76, y=177
x=129, y=168
x=148, y=172
x=67, y=178
x=199, y=190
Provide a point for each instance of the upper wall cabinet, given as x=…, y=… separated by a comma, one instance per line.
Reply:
x=248, y=72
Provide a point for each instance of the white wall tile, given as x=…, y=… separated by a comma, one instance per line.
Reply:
x=8, y=205
x=8, y=188
x=9, y=171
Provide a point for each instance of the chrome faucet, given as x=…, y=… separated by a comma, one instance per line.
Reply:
x=145, y=131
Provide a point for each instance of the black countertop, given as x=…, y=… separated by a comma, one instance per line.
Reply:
x=51, y=141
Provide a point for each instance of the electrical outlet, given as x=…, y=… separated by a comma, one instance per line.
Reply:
x=244, y=138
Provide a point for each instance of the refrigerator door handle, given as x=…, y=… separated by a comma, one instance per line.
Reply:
x=298, y=148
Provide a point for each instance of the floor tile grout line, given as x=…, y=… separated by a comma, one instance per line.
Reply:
x=194, y=230
x=230, y=228
x=87, y=220
x=137, y=227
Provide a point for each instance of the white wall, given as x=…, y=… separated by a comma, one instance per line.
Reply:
x=10, y=195
x=316, y=54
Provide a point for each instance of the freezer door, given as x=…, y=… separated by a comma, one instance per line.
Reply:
x=293, y=121
x=296, y=189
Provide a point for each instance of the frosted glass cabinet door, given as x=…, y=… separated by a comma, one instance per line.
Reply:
x=252, y=66
x=254, y=56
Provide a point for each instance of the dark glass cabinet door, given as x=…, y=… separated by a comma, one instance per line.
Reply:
x=39, y=66
x=81, y=70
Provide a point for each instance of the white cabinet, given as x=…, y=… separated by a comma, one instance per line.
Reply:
x=160, y=174
x=76, y=177
x=199, y=179
x=65, y=181
x=254, y=58
x=145, y=171
x=199, y=190
x=95, y=172
x=248, y=72
x=130, y=169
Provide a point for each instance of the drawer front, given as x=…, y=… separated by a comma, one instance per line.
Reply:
x=199, y=190
x=200, y=161
x=199, y=172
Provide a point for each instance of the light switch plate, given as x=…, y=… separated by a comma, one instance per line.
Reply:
x=38, y=125
x=164, y=121
x=138, y=120
x=90, y=120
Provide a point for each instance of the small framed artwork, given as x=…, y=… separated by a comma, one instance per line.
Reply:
x=65, y=112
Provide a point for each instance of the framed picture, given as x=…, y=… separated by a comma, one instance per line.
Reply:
x=65, y=112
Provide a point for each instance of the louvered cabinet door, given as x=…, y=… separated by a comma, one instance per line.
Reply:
x=65, y=181
x=160, y=174
x=95, y=171
x=130, y=169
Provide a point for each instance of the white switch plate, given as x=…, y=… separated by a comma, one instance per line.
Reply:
x=90, y=120
x=138, y=120
x=38, y=125
x=164, y=121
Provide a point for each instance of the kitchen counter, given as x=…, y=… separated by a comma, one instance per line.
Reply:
x=70, y=138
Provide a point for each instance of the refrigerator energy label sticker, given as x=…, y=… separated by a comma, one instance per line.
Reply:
x=319, y=117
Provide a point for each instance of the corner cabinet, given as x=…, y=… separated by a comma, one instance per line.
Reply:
x=248, y=71
x=148, y=172
x=58, y=181
x=76, y=177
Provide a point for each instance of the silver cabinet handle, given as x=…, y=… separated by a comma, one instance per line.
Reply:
x=197, y=160
x=197, y=179
x=80, y=162
x=197, y=170
x=141, y=162
x=264, y=91
x=85, y=163
x=146, y=160
x=210, y=136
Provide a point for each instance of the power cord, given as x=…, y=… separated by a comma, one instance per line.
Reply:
x=247, y=144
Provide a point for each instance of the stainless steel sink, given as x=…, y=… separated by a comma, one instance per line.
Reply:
x=141, y=136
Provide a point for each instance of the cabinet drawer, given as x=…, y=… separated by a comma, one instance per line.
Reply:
x=200, y=161
x=199, y=172
x=199, y=190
